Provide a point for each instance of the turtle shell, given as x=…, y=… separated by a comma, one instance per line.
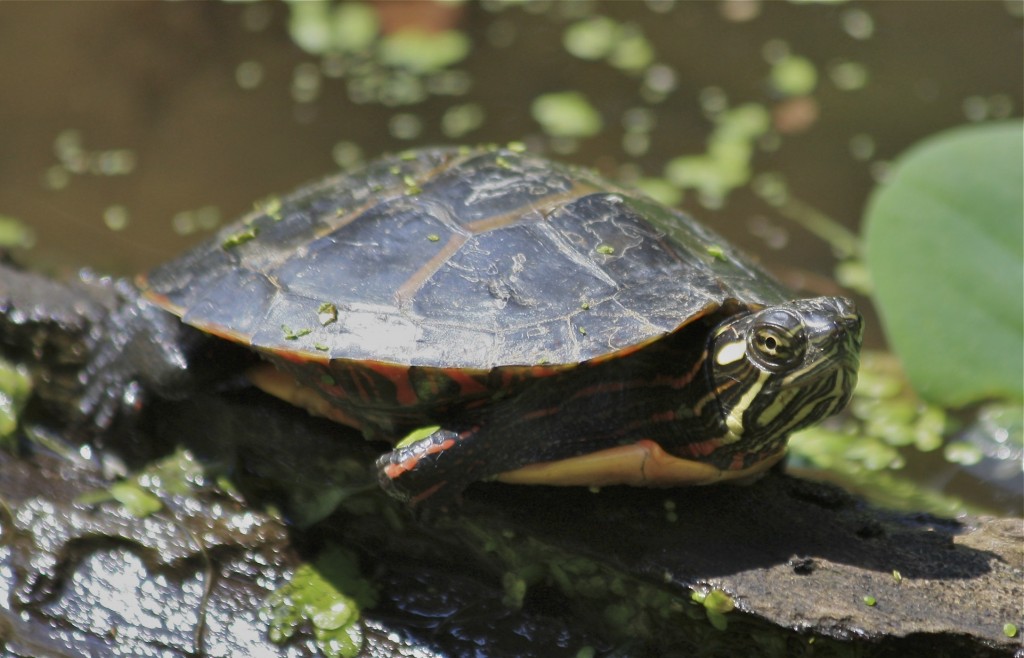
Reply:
x=458, y=259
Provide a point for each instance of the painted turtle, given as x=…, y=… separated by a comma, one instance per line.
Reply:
x=543, y=325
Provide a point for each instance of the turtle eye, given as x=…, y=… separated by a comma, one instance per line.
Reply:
x=777, y=341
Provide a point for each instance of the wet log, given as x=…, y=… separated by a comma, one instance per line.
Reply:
x=513, y=571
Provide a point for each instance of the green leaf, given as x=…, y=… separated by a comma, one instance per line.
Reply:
x=15, y=388
x=330, y=593
x=139, y=502
x=14, y=233
x=945, y=246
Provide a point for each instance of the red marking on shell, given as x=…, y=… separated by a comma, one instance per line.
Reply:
x=624, y=351
x=160, y=300
x=511, y=375
x=468, y=384
x=295, y=356
x=399, y=376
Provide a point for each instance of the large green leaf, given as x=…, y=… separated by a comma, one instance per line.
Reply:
x=945, y=246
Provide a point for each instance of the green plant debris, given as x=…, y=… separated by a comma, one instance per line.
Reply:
x=15, y=389
x=423, y=52
x=870, y=601
x=330, y=594
x=405, y=126
x=591, y=38
x=566, y=114
x=188, y=222
x=793, y=75
x=271, y=207
x=897, y=577
x=963, y=453
x=402, y=67
x=632, y=51
x=622, y=45
x=135, y=499
x=327, y=313
x=514, y=586
x=671, y=516
x=628, y=610
x=294, y=334
x=773, y=189
x=320, y=27
x=76, y=160
x=1010, y=630
x=660, y=190
x=116, y=217
x=308, y=26
x=354, y=27
x=141, y=495
x=944, y=240
x=239, y=237
x=412, y=188
x=637, y=609
x=849, y=76
x=459, y=120
x=716, y=605
x=14, y=233
x=717, y=252
x=417, y=434
x=886, y=425
x=726, y=164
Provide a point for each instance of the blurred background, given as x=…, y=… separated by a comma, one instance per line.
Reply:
x=129, y=131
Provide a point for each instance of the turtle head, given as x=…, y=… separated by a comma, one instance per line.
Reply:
x=780, y=369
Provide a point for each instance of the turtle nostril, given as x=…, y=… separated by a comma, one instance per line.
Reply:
x=845, y=306
x=855, y=327
x=849, y=317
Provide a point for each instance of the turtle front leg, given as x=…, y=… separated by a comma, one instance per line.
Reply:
x=433, y=470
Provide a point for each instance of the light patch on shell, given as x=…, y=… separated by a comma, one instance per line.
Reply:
x=731, y=352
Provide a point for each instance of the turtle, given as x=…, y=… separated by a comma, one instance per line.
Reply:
x=494, y=315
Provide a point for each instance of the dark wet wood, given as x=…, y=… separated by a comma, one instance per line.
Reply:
x=797, y=557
